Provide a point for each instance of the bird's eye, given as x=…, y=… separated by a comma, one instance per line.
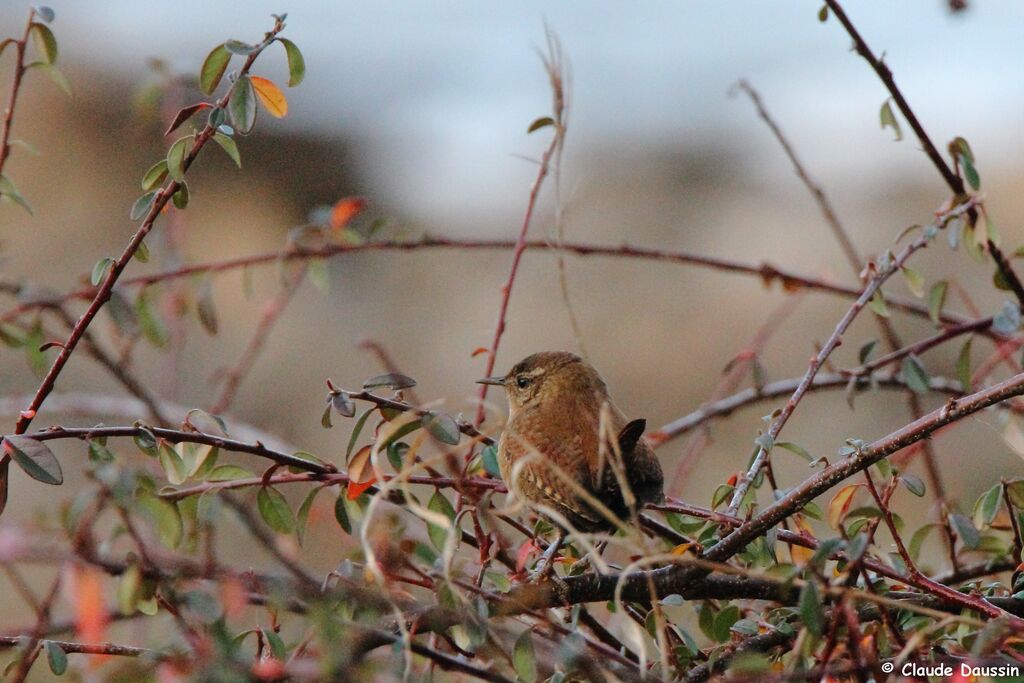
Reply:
x=522, y=382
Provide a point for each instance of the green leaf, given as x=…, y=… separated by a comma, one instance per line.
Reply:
x=228, y=145
x=172, y=464
x=888, y=120
x=809, y=604
x=303, y=516
x=341, y=514
x=542, y=122
x=152, y=327
x=489, y=457
x=877, y=304
x=176, y=158
x=915, y=375
x=7, y=189
x=229, y=473
x=296, y=63
x=35, y=458
x=442, y=427
x=970, y=173
x=915, y=281
x=523, y=659
x=206, y=310
x=275, y=510
x=99, y=271
x=167, y=517
x=180, y=196
x=155, y=175
x=917, y=540
x=936, y=300
x=54, y=74
x=865, y=350
x=438, y=503
x=987, y=505
x=142, y=206
x=275, y=644
x=965, y=529
x=242, y=106
x=142, y=253
x=913, y=484
x=213, y=69
x=963, y=366
x=239, y=48
x=823, y=14
x=799, y=450
x=354, y=436
x=393, y=380
x=55, y=657
x=724, y=621
x=45, y=42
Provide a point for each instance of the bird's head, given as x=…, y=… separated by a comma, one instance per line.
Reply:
x=548, y=375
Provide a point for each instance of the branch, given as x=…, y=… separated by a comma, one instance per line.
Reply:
x=12, y=100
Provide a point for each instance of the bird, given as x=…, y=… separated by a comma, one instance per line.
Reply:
x=566, y=446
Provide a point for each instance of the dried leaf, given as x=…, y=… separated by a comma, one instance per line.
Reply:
x=271, y=96
x=840, y=505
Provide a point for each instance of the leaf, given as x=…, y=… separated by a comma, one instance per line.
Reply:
x=180, y=197
x=442, y=427
x=152, y=326
x=35, y=458
x=360, y=472
x=44, y=13
x=45, y=42
x=270, y=96
x=229, y=473
x=877, y=304
x=992, y=232
x=936, y=300
x=99, y=270
x=809, y=604
x=793, y=448
x=523, y=659
x=888, y=120
x=823, y=14
x=489, y=457
x=275, y=510
x=176, y=158
x=242, y=105
x=341, y=515
x=7, y=189
x=214, y=66
x=296, y=63
x=913, y=484
x=987, y=505
x=542, y=122
x=343, y=404
x=55, y=657
x=970, y=173
x=303, y=517
x=723, y=622
x=917, y=540
x=342, y=213
x=438, y=535
x=393, y=380
x=206, y=310
x=167, y=517
x=965, y=530
x=184, y=114
x=239, y=48
x=172, y=464
x=865, y=350
x=915, y=375
x=1015, y=492
x=963, y=366
x=142, y=206
x=915, y=281
x=356, y=430
x=276, y=645
x=155, y=175
x=229, y=146
x=54, y=75
x=1007, y=320
x=840, y=505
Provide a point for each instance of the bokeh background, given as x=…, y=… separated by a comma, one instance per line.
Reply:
x=423, y=107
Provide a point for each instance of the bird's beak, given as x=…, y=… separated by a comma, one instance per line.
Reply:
x=497, y=381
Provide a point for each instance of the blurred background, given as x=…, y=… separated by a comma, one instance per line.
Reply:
x=422, y=108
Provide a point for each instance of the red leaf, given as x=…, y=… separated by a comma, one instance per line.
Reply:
x=184, y=115
x=345, y=210
x=477, y=351
x=355, y=490
x=523, y=555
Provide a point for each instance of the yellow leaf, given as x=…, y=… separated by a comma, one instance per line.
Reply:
x=270, y=95
x=840, y=505
x=798, y=553
x=360, y=469
x=685, y=548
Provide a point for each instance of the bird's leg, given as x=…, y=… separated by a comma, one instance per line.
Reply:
x=546, y=562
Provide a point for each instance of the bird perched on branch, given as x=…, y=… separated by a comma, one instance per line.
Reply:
x=567, y=449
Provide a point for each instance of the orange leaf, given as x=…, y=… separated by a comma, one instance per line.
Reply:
x=799, y=553
x=840, y=505
x=355, y=490
x=90, y=611
x=270, y=95
x=345, y=210
x=477, y=351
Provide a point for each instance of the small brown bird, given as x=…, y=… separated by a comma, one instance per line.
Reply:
x=555, y=433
